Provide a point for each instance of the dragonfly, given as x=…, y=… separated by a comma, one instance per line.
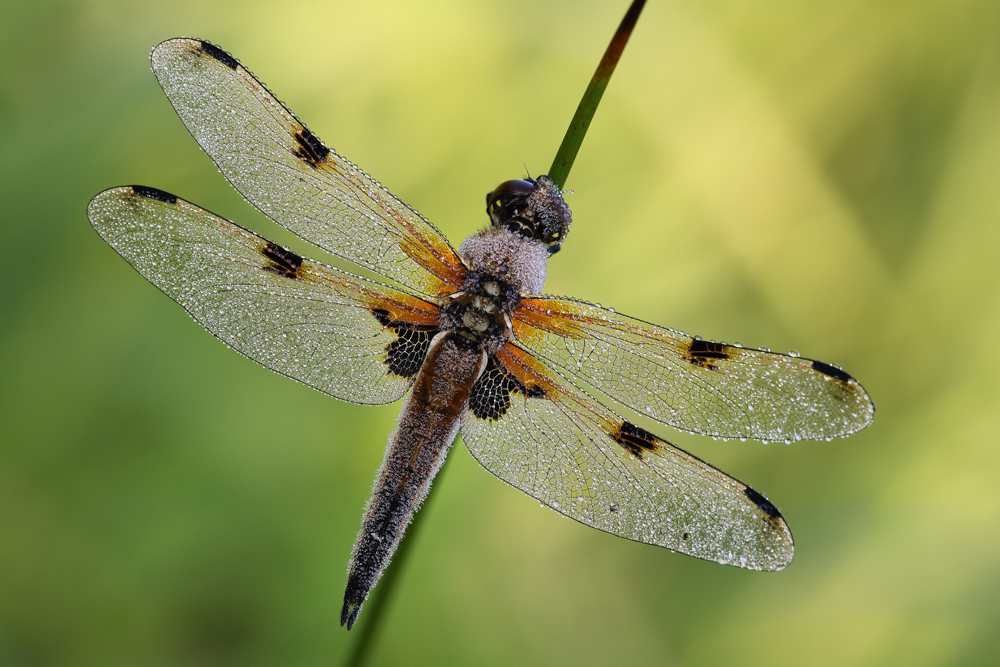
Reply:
x=465, y=337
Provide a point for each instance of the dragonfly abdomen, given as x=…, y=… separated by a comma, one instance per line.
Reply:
x=427, y=425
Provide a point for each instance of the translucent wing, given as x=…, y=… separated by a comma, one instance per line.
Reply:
x=581, y=459
x=691, y=384
x=285, y=171
x=352, y=338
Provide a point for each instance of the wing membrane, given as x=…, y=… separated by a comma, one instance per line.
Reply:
x=581, y=459
x=694, y=385
x=285, y=171
x=348, y=337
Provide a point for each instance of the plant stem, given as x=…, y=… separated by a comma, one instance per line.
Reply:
x=577, y=130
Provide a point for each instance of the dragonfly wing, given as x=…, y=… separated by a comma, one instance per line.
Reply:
x=284, y=170
x=568, y=451
x=694, y=385
x=352, y=338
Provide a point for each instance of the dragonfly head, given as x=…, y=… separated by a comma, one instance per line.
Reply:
x=533, y=208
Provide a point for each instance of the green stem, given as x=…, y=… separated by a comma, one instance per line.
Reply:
x=577, y=130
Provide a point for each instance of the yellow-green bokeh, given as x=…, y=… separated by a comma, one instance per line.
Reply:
x=823, y=176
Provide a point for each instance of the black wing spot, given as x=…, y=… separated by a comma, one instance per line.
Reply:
x=405, y=355
x=700, y=351
x=532, y=392
x=382, y=316
x=219, y=54
x=490, y=396
x=284, y=262
x=762, y=503
x=635, y=440
x=153, y=193
x=311, y=149
x=835, y=373
x=385, y=320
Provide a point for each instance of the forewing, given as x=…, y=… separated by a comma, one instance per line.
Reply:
x=285, y=171
x=694, y=385
x=571, y=453
x=354, y=339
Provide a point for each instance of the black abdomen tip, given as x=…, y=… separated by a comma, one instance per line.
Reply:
x=349, y=616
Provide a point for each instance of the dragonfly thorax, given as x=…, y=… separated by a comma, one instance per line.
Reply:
x=480, y=313
x=507, y=260
x=505, y=256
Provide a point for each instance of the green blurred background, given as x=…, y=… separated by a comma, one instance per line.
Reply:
x=820, y=176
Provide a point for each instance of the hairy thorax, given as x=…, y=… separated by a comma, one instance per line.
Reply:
x=503, y=266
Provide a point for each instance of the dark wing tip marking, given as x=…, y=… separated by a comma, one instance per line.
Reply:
x=283, y=261
x=153, y=193
x=405, y=355
x=700, y=351
x=635, y=440
x=312, y=151
x=219, y=54
x=835, y=373
x=762, y=503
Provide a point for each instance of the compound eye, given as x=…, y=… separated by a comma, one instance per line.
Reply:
x=517, y=187
x=509, y=189
x=496, y=200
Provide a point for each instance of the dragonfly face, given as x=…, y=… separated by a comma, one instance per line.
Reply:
x=465, y=337
x=533, y=209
